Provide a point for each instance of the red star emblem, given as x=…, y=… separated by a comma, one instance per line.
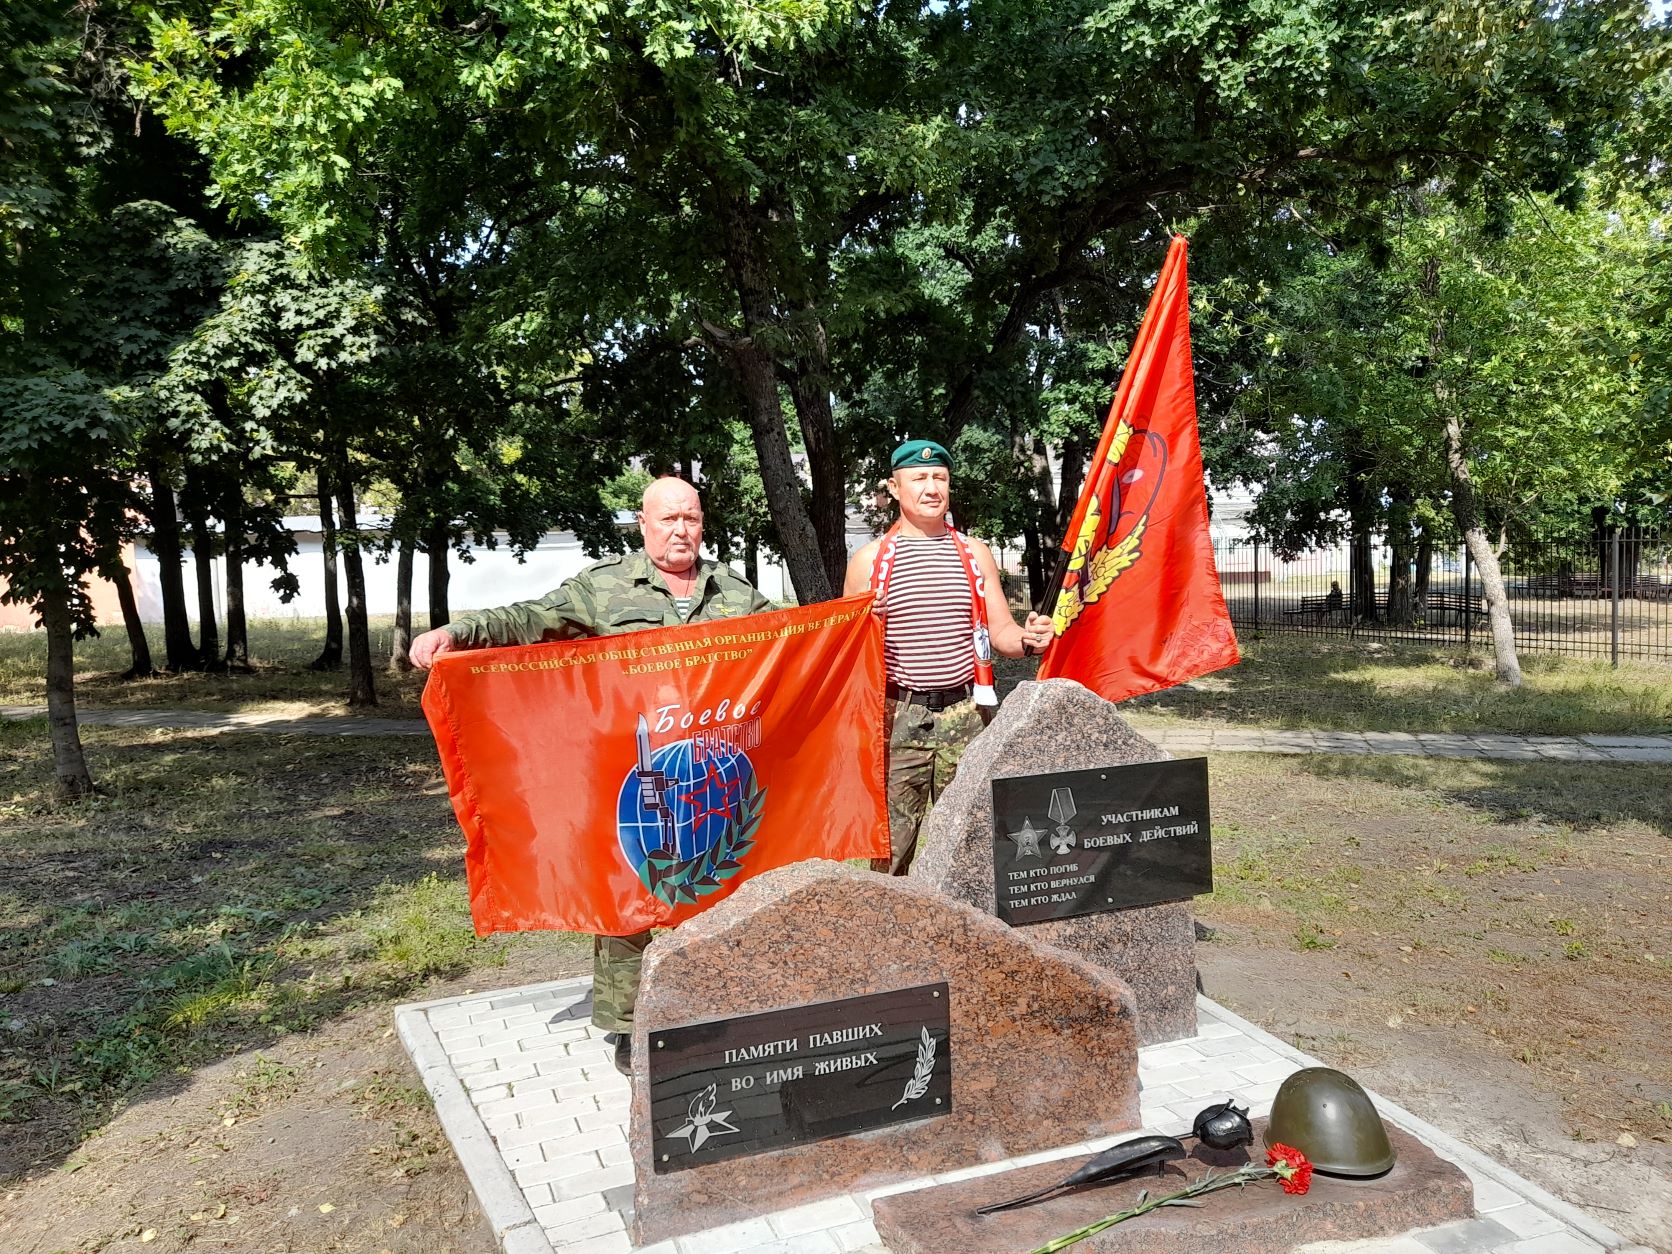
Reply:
x=712, y=780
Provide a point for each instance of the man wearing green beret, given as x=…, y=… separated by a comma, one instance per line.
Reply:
x=944, y=614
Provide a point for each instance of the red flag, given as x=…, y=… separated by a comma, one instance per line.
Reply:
x=630, y=781
x=1140, y=606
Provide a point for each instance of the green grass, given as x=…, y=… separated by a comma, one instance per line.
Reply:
x=1457, y=830
x=280, y=649
x=1302, y=682
x=223, y=892
x=1284, y=681
x=1515, y=910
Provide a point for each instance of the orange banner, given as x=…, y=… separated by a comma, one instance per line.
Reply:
x=631, y=781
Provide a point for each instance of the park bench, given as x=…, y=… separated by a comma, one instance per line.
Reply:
x=1556, y=586
x=1436, y=606
x=1319, y=608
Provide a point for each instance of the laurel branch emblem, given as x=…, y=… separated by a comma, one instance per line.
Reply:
x=918, y=1085
x=681, y=881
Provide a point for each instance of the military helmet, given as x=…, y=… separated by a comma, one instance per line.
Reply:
x=1327, y=1116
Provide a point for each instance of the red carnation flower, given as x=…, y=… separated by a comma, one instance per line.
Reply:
x=1283, y=1162
x=1291, y=1167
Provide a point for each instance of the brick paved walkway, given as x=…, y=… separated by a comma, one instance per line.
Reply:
x=525, y=1089
x=1180, y=738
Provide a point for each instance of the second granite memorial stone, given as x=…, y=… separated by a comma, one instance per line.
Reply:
x=1058, y=726
x=825, y=1030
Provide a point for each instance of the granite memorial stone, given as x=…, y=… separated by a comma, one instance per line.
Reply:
x=820, y=961
x=1052, y=726
x=1421, y=1191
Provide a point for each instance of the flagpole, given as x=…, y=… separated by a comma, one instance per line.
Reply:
x=1048, y=601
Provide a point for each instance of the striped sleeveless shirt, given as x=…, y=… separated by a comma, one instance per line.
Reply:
x=926, y=616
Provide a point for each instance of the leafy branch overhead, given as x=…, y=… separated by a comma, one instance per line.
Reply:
x=472, y=265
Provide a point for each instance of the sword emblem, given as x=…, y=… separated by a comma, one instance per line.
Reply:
x=653, y=796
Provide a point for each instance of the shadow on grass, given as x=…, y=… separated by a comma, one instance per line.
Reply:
x=282, y=651
x=1581, y=795
x=224, y=891
x=1296, y=682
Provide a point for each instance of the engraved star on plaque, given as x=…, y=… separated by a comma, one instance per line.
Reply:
x=1027, y=840
x=702, y=1121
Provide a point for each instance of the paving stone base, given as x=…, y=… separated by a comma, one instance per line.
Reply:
x=1421, y=1191
x=537, y=1114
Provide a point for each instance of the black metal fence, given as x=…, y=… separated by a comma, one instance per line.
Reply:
x=1607, y=597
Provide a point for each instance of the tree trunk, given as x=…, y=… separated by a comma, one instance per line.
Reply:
x=797, y=540
x=362, y=690
x=438, y=549
x=1073, y=479
x=1400, y=609
x=752, y=561
x=1361, y=562
x=1425, y=563
x=1467, y=512
x=758, y=375
x=1033, y=562
x=810, y=390
x=1466, y=509
x=237, y=626
x=138, y=645
x=179, y=653
x=331, y=655
x=69, y=763
x=398, y=660
x=1036, y=532
x=208, y=618
x=1362, y=599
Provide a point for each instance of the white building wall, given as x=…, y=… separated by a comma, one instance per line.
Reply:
x=493, y=577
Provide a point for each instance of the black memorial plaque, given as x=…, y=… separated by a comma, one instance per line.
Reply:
x=1083, y=842
x=732, y=1087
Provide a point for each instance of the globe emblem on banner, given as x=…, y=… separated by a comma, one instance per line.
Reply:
x=685, y=825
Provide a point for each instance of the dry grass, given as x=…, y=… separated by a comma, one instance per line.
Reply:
x=1303, y=682
x=224, y=893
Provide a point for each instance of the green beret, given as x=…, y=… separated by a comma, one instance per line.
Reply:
x=919, y=453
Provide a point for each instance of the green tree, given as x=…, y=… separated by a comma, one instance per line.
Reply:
x=1470, y=365
x=63, y=515
x=278, y=374
x=760, y=180
x=99, y=277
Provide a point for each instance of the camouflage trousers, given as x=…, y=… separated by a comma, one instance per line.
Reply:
x=616, y=964
x=923, y=751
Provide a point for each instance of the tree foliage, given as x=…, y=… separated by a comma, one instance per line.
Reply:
x=472, y=261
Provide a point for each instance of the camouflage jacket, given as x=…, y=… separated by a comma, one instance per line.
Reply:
x=624, y=593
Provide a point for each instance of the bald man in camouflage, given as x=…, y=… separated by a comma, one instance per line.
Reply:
x=666, y=585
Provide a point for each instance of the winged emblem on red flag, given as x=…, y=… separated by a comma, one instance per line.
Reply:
x=1111, y=539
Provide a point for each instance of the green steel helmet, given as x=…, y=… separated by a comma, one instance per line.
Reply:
x=1327, y=1116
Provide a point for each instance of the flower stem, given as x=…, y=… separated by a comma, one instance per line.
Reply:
x=1247, y=1174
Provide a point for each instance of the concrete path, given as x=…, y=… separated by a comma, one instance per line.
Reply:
x=1180, y=738
x=1217, y=738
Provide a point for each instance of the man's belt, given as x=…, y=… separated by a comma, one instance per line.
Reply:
x=929, y=699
